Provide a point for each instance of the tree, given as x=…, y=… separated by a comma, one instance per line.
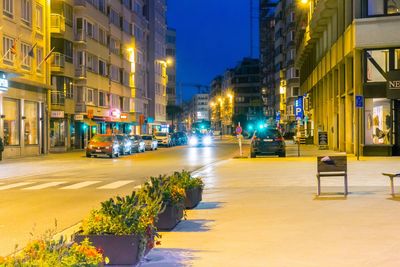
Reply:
x=173, y=111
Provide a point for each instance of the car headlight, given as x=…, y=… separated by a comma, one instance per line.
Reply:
x=193, y=141
x=90, y=146
x=207, y=140
x=107, y=147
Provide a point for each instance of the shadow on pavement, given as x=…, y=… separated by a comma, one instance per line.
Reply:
x=169, y=257
x=193, y=226
x=209, y=205
x=331, y=196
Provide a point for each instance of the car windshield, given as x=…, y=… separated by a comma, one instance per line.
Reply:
x=102, y=138
x=147, y=137
x=268, y=133
x=161, y=134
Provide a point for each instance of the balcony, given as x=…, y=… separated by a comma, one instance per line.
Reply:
x=80, y=72
x=57, y=23
x=57, y=62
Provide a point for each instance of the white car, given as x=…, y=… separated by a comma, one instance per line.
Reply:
x=163, y=139
x=150, y=142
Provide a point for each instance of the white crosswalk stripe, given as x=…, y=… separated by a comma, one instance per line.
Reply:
x=138, y=187
x=10, y=186
x=116, y=184
x=43, y=186
x=80, y=185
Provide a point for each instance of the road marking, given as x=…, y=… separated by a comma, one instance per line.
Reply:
x=5, y=187
x=138, y=187
x=43, y=186
x=116, y=184
x=80, y=185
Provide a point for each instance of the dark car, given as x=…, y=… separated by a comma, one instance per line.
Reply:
x=267, y=141
x=182, y=138
x=176, y=139
x=103, y=144
x=125, y=146
x=137, y=143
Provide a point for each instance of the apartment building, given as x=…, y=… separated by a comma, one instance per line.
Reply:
x=171, y=66
x=349, y=57
x=24, y=77
x=215, y=111
x=99, y=70
x=267, y=56
x=286, y=74
x=157, y=65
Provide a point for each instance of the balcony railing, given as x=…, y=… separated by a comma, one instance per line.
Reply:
x=58, y=97
x=57, y=23
x=80, y=36
x=57, y=62
x=80, y=72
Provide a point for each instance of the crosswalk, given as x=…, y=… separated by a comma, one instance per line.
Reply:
x=65, y=185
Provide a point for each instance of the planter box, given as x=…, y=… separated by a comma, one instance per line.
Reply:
x=121, y=250
x=193, y=197
x=170, y=217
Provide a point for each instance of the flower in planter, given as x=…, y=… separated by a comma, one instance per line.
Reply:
x=57, y=253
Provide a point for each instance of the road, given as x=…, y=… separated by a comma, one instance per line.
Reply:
x=35, y=192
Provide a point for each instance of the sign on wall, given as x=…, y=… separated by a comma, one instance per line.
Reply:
x=393, y=84
x=57, y=114
x=298, y=105
x=3, y=82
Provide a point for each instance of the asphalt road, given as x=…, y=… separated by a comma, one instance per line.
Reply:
x=36, y=192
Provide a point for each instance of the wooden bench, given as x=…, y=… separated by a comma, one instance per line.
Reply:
x=392, y=176
x=330, y=166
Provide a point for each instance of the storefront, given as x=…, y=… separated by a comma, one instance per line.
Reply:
x=382, y=102
x=22, y=118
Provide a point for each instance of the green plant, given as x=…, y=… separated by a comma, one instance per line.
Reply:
x=187, y=181
x=56, y=253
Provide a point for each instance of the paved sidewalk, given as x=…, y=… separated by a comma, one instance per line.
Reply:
x=264, y=212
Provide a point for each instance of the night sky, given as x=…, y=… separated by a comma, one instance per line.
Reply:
x=212, y=35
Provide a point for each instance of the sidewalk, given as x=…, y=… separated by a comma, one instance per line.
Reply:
x=264, y=212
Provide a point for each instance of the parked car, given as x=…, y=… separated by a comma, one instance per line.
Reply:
x=200, y=139
x=124, y=144
x=267, y=141
x=137, y=143
x=163, y=139
x=180, y=138
x=150, y=142
x=103, y=144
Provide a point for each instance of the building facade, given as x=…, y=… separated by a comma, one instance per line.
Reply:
x=341, y=64
x=286, y=74
x=236, y=97
x=267, y=56
x=24, y=77
x=171, y=66
x=157, y=65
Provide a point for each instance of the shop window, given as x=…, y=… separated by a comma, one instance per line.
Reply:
x=11, y=126
x=381, y=58
x=57, y=132
x=378, y=121
x=31, y=123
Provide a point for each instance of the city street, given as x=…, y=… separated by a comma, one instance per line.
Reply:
x=34, y=192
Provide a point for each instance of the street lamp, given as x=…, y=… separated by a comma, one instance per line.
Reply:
x=304, y=2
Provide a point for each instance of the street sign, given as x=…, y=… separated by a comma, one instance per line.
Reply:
x=239, y=130
x=298, y=105
x=359, y=101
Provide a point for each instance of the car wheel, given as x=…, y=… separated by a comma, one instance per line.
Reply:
x=252, y=155
x=111, y=155
x=282, y=155
x=88, y=155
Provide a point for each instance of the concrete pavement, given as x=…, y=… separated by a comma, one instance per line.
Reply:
x=264, y=212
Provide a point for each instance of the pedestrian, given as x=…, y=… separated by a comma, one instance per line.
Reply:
x=1, y=148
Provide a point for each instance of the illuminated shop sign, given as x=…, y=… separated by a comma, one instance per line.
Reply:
x=298, y=105
x=3, y=82
x=393, y=85
x=116, y=113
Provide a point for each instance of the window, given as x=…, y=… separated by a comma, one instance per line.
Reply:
x=383, y=7
x=114, y=17
x=39, y=17
x=90, y=96
x=126, y=27
x=295, y=91
x=8, y=50
x=102, y=6
x=102, y=67
x=102, y=99
x=68, y=14
x=102, y=36
x=26, y=11
x=39, y=58
x=137, y=7
x=57, y=132
x=26, y=59
x=89, y=29
x=8, y=8
x=381, y=58
x=11, y=126
x=114, y=73
x=31, y=123
x=115, y=46
x=378, y=121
